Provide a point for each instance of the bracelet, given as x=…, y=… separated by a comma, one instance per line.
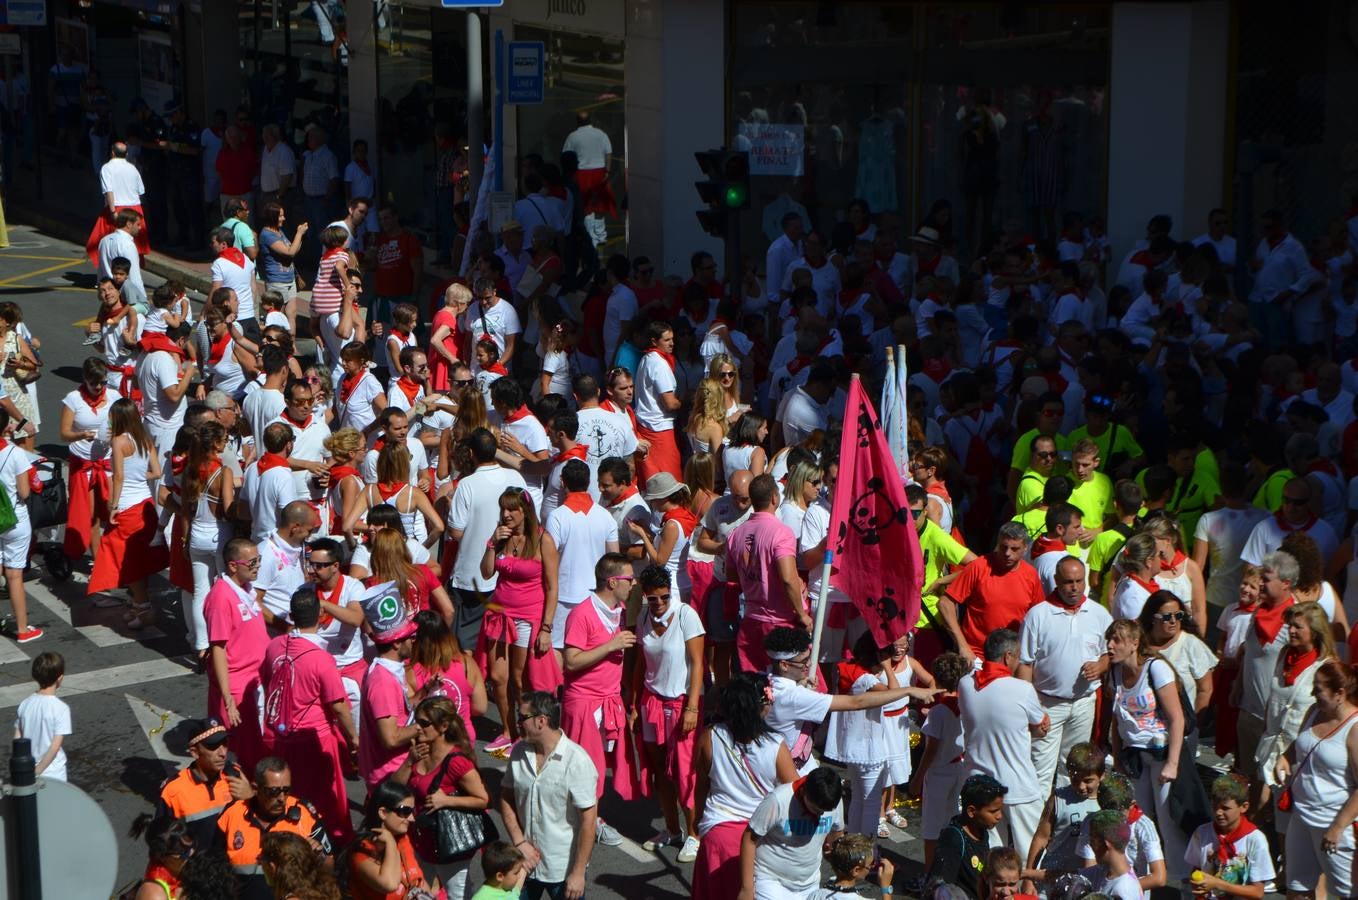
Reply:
x=690, y=709
x=490, y=544
x=546, y=626
x=21, y=423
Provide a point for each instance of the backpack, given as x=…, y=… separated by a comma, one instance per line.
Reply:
x=280, y=686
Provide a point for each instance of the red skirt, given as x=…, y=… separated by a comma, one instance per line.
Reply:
x=103, y=226
x=716, y=872
x=596, y=194
x=87, y=487
x=609, y=743
x=665, y=716
x=317, y=762
x=125, y=552
x=181, y=568
x=663, y=455
x=246, y=741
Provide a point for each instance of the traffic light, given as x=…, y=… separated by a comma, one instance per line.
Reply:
x=727, y=187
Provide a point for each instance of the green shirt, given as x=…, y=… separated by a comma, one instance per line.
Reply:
x=1115, y=440
x=1023, y=448
x=940, y=550
x=1195, y=496
x=490, y=892
x=243, y=234
x=1029, y=492
x=1107, y=545
x=1093, y=498
x=1270, y=493
x=1034, y=521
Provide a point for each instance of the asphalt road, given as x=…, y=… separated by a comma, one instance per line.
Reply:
x=128, y=695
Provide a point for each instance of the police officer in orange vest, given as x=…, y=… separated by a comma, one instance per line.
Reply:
x=272, y=808
x=205, y=787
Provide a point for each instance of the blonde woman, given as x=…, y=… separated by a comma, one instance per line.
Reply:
x=726, y=372
x=803, y=488
x=1309, y=646
x=446, y=341
x=1177, y=572
x=706, y=427
x=346, y=449
x=394, y=489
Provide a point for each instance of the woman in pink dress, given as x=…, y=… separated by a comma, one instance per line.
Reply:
x=514, y=555
x=443, y=341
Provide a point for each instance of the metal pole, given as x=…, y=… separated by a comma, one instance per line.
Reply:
x=820, y=610
x=498, y=138
x=476, y=106
x=24, y=791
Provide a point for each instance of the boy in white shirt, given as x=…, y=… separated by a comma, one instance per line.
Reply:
x=44, y=719
x=1109, y=835
x=1230, y=853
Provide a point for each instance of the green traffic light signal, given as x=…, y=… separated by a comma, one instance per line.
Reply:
x=737, y=196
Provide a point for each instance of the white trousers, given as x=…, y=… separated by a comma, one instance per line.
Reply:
x=1023, y=819
x=1153, y=798
x=867, y=783
x=206, y=565
x=1072, y=723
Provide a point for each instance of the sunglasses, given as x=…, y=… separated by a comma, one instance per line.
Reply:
x=917, y=512
x=463, y=382
x=322, y=563
x=248, y=563
x=278, y=790
x=1296, y=501
x=800, y=663
x=1170, y=617
x=1045, y=454
x=424, y=723
x=404, y=811
x=726, y=375
x=814, y=482
x=524, y=717
x=623, y=578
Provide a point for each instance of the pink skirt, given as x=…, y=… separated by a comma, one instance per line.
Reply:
x=577, y=721
x=664, y=716
x=246, y=742
x=716, y=872
x=317, y=763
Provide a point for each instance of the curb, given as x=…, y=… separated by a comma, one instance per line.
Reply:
x=156, y=263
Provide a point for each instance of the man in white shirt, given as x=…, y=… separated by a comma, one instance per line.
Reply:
x=1217, y=234
x=268, y=486
x=621, y=305
x=530, y=441
x=824, y=274
x=277, y=166
x=473, y=516
x=280, y=563
x=656, y=403
x=562, y=432
x=1001, y=715
x=1329, y=395
x=308, y=459
x=395, y=428
x=265, y=403
x=721, y=606
x=1139, y=322
x=121, y=243
x=354, y=222
x=320, y=180
x=1282, y=272
x=120, y=182
x=594, y=153
x=163, y=373
x=490, y=316
x=1063, y=523
x=233, y=269
x=578, y=532
x=805, y=409
x=603, y=433
x=1061, y=652
x=538, y=208
x=621, y=499
x=1295, y=515
x=783, y=252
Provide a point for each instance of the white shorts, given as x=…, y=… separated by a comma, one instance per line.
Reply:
x=942, y=790
x=523, y=632
x=14, y=545
x=1306, y=861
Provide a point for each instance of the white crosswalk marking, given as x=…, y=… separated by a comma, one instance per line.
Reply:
x=100, y=680
x=99, y=635
x=11, y=652
x=155, y=723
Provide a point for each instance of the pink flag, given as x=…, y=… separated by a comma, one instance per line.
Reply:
x=877, y=560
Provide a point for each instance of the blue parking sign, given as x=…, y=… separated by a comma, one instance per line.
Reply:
x=526, y=72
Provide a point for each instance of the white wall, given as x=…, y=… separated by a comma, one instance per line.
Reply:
x=1167, y=132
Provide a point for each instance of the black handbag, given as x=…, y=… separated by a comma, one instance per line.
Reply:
x=47, y=509
x=457, y=833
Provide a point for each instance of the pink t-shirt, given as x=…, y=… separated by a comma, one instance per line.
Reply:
x=585, y=630
x=519, y=589
x=235, y=619
x=384, y=696
x=309, y=684
x=752, y=554
x=451, y=683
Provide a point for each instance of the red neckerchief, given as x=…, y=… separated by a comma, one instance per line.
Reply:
x=233, y=256
x=109, y=315
x=1134, y=813
x=936, y=369
x=1323, y=465
x=1226, y=842
x=797, y=363
x=497, y=369
x=218, y=349
x=1273, y=244
x=1288, y=528
x=1056, y=382
x=1179, y=557
x=579, y=451
x=387, y=490
x=95, y=401
x=408, y=387
x=400, y=335
x=949, y=701
x=177, y=461
x=348, y=384
x=157, y=872
x=1142, y=258
x=367, y=170
x=300, y=426
x=578, y=501
x=1268, y=621
x=1295, y=662
x=991, y=671
x=848, y=297
x=939, y=489
x=686, y=519
x=1045, y=544
x=667, y=357
x=272, y=461
x=627, y=493
x=340, y=472
x=1051, y=598
x=1149, y=587
x=1072, y=237
x=153, y=341
x=520, y=413
x=718, y=322
x=379, y=444
x=327, y=618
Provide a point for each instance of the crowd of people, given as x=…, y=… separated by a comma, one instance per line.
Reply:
x=597, y=497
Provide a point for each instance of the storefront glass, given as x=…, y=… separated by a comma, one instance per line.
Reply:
x=296, y=67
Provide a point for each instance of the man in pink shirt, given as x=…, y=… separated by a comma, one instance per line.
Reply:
x=237, y=640
x=761, y=557
x=385, y=729
x=592, y=711
x=305, y=705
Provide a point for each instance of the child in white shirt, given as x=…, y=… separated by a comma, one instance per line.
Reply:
x=938, y=780
x=44, y=719
x=163, y=315
x=1109, y=834
x=1230, y=853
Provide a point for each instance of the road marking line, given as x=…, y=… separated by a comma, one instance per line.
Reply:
x=633, y=849
x=11, y=652
x=155, y=722
x=100, y=680
x=10, y=282
x=99, y=635
x=72, y=259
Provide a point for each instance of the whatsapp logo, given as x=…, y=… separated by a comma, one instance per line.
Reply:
x=389, y=607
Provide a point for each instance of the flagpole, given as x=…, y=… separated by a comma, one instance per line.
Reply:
x=819, y=627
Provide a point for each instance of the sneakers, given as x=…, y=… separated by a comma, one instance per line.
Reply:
x=689, y=852
x=500, y=746
x=32, y=634
x=90, y=340
x=607, y=835
x=661, y=838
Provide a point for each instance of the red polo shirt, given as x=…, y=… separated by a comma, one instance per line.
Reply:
x=236, y=168
x=991, y=600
